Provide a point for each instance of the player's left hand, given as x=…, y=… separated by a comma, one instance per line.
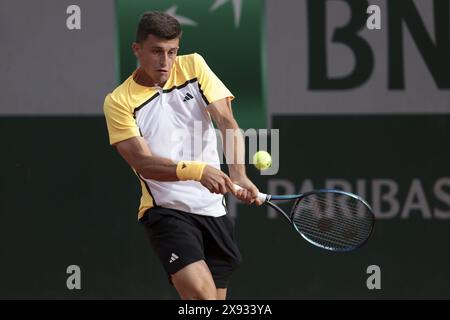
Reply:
x=249, y=192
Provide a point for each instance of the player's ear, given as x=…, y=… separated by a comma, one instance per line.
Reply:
x=136, y=49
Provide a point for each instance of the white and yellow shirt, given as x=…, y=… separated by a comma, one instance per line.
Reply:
x=174, y=122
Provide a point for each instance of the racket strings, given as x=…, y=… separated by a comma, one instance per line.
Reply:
x=342, y=235
x=312, y=225
x=321, y=205
x=356, y=223
x=333, y=220
x=337, y=209
x=339, y=219
x=329, y=242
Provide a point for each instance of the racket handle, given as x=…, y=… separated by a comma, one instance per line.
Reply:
x=261, y=196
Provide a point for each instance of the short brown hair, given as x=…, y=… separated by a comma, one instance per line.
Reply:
x=159, y=24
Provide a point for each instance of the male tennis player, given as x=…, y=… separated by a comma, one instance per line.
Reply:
x=182, y=192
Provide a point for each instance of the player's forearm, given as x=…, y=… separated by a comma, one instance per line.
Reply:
x=157, y=168
x=138, y=155
x=163, y=169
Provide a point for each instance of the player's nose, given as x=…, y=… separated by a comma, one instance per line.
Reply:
x=163, y=60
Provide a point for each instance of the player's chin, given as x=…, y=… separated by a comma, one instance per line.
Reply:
x=163, y=75
x=160, y=77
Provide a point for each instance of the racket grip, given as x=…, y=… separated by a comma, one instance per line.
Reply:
x=261, y=196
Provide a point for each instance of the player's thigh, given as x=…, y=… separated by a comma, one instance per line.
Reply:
x=176, y=240
x=222, y=253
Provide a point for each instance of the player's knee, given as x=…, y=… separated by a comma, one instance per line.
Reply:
x=203, y=292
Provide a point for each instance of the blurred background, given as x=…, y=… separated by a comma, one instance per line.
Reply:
x=357, y=109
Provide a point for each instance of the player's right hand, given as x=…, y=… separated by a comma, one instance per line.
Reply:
x=216, y=181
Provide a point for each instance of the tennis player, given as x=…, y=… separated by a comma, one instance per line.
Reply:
x=182, y=205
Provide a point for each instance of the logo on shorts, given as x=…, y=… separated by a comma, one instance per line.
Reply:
x=173, y=258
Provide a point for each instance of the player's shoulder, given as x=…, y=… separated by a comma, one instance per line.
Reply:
x=189, y=58
x=190, y=62
x=119, y=94
x=118, y=97
x=121, y=90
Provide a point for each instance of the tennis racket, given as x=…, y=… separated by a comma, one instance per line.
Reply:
x=329, y=219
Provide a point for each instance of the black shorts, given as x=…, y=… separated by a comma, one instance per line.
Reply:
x=181, y=238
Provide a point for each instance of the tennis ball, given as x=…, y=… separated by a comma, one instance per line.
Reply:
x=262, y=160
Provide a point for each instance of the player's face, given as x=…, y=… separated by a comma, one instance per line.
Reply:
x=156, y=57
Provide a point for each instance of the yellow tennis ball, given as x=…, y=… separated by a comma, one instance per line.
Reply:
x=262, y=160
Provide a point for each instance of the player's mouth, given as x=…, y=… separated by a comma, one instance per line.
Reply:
x=163, y=71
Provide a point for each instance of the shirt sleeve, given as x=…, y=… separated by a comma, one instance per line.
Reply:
x=120, y=121
x=211, y=87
